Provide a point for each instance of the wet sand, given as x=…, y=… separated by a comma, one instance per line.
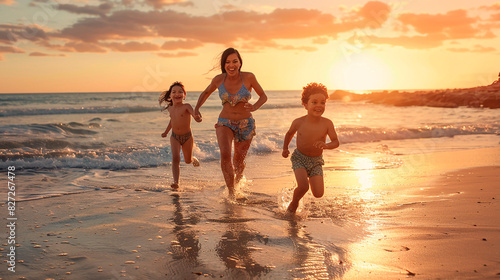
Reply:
x=435, y=217
x=448, y=231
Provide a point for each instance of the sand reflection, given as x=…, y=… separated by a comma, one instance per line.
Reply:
x=187, y=245
x=313, y=260
x=235, y=246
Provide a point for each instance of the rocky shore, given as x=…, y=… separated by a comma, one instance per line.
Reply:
x=476, y=97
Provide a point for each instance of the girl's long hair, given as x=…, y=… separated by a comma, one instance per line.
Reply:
x=165, y=100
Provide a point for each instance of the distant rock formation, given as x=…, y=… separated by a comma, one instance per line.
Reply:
x=476, y=97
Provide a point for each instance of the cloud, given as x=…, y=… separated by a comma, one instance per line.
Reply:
x=158, y=4
x=126, y=26
x=132, y=47
x=7, y=2
x=374, y=14
x=9, y=49
x=179, y=54
x=300, y=48
x=495, y=7
x=181, y=44
x=100, y=10
x=225, y=28
x=44, y=54
x=475, y=49
x=320, y=40
x=120, y=25
x=255, y=46
x=82, y=47
x=10, y=33
x=421, y=31
x=495, y=18
x=409, y=42
x=454, y=24
x=235, y=25
x=6, y=36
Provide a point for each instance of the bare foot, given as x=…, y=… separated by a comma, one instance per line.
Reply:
x=240, y=197
x=231, y=195
x=196, y=162
x=292, y=208
x=289, y=215
x=174, y=186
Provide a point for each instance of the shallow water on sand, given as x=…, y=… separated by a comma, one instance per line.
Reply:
x=252, y=238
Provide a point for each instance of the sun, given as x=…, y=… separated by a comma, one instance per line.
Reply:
x=361, y=72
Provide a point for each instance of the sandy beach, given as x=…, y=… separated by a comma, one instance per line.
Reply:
x=435, y=217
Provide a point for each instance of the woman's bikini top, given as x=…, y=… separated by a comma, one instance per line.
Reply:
x=243, y=95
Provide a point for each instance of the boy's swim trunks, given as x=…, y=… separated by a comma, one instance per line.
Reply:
x=243, y=129
x=311, y=164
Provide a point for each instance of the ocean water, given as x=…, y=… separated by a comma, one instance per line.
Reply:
x=69, y=142
x=66, y=143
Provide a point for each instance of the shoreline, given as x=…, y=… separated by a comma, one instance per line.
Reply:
x=421, y=220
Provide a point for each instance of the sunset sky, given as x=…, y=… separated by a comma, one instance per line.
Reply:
x=139, y=46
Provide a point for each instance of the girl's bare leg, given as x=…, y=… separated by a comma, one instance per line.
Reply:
x=175, y=146
x=225, y=138
x=187, y=150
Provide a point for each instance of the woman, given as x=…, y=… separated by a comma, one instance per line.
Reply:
x=235, y=123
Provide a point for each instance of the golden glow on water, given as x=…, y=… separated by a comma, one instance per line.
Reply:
x=365, y=177
x=361, y=163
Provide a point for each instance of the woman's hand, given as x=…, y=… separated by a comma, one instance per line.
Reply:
x=249, y=107
x=197, y=115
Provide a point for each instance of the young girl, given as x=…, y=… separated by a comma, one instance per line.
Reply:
x=180, y=123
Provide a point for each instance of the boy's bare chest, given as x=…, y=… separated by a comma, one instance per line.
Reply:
x=311, y=131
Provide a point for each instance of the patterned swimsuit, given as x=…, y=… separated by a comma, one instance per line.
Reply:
x=242, y=129
x=182, y=138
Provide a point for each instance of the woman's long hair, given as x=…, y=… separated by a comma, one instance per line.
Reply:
x=220, y=60
x=224, y=56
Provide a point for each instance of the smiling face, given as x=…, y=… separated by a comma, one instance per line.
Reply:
x=232, y=64
x=177, y=94
x=316, y=105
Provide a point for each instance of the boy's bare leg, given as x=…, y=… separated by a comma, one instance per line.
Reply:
x=175, y=146
x=300, y=190
x=317, y=185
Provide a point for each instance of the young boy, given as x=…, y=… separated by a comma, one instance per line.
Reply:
x=311, y=129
